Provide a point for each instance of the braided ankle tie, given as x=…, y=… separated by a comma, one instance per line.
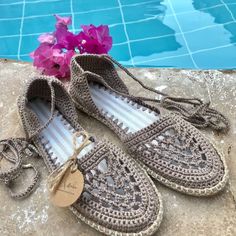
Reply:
x=192, y=110
x=196, y=112
x=20, y=148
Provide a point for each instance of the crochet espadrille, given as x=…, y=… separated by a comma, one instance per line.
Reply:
x=171, y=149
x=118, y=196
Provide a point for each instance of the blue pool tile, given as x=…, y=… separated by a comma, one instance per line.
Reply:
x=171, y=48
x=10, y=27
x=9, y=46
x=39, y=25
x=169, y=20
x=204, y=18
x=223, y=58
x=216, y=36
x=202, y=4
x=118, y=30
x=9, y=57
x=186, y=5
x=142, y=2
x=29, y=44
x=81, y=6
x=232, y=9
x=47, y=8
x=10, y=2
x=231, y=28
x=157, y=60
x=25, y=58
x=121, y=52
x=229, y=1
x=152, y=28
x=159, y=45
x=108, y=17
x=11, y=11
x=144, y=11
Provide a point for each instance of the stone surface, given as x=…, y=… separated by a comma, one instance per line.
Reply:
x=184, y=215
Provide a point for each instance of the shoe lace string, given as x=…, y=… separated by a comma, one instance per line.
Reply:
x=57, y=175
x=193, y=110
x=20, y=149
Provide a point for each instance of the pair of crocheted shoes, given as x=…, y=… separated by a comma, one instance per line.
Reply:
x=104, y=187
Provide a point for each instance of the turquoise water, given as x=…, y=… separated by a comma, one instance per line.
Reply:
x=156, y=33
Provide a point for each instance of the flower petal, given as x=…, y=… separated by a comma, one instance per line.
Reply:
x=65, y=38
x=51, y=60
x=94, y=39
x=62, y=21
x=47, y=38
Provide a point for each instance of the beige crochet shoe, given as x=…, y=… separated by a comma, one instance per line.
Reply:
x=117, y=196
x=168, y=147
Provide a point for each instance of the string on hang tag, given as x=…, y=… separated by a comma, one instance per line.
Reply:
x=66, y=183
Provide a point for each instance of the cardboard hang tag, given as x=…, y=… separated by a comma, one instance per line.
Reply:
x=69, y=190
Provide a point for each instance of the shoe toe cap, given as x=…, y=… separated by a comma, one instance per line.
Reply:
x=183, y=159
x=120, y=198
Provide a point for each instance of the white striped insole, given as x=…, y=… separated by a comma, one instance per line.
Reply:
x=58, y=136
x=131, y=115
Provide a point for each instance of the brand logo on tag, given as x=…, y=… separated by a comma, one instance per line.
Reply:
x=69, y=189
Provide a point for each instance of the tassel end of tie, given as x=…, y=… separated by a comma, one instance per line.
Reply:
x=197, y=113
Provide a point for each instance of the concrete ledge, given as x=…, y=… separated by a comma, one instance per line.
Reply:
x=183, y=215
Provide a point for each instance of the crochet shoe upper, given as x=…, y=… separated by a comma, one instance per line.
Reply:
x=118, y=197
x=170, y=149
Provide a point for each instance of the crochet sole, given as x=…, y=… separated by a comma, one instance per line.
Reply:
x=190, y=191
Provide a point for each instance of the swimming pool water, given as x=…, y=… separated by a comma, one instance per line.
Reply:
x=197, y=34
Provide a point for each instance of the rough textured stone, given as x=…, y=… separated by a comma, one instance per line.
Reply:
x=184, y=215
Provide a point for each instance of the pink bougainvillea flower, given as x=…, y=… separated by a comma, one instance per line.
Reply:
x=51, y=60
x=56, y=49
x=66, y=39
x=47, y=38
x=62, y=63
x=94, y=39
x=62, y=21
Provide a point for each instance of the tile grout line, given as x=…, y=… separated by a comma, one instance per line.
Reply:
x=155, y=18
x=29, y=2
x=21, y=29
x=161, y=58
x=129, y=41
x=186, y=43
x=126, y=33
x=110, y=8
x=186, y=54
x=168, y=35
x=72, y=16
x=227, y=8
x=46, y=1
x=135, y=40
